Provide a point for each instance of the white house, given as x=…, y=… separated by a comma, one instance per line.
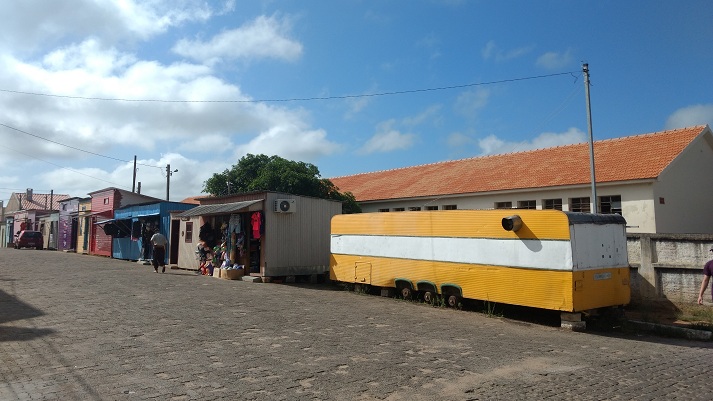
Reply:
x=660, y=182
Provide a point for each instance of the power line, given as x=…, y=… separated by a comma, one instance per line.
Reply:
x=62, y=167
x=303, y=99
x=72, y=147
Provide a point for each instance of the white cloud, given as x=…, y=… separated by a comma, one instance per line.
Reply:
x=90, y=71
x=494, y=145
x=112, y=21
x=357, y=104
x=186, y=182
x=387, y=139
x=470, y=102
x=554, y=60
x=264, y=37
x=292, y=142
x=691, y=115
x=491, y=51
x=458, y=140
x=429, y=114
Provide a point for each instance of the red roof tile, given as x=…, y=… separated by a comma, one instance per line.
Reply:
x=42, y=201
x=621, y=159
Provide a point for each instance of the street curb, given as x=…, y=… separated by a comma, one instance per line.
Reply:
x=671, y=331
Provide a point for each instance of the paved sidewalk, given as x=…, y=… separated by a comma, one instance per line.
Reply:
x=78, y=327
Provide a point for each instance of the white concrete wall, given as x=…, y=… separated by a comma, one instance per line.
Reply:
x=668, y=266
x=686, y=187
x=637, y=203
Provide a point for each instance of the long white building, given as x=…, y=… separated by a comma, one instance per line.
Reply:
x=660, y=182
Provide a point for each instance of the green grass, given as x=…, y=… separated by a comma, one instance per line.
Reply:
x=701, y=317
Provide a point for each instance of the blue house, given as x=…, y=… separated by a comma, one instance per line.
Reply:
x=132, y=228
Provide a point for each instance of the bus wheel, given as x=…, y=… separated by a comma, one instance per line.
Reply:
x=453, y=301
x=429, y=297
x=406, y=293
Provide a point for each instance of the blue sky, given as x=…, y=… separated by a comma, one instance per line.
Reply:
x=201, y=84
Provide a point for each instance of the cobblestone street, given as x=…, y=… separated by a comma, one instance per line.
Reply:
x=78, y=327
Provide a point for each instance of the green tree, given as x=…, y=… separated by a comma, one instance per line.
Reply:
x=273, y=173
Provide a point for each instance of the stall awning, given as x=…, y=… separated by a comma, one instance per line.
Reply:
x=221, y=208
x=105, y=221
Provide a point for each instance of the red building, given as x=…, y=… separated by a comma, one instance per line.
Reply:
x=104, y=202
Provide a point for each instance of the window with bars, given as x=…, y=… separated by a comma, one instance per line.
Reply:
x=450, y=207
x=414, y=209
x=579, y=205
x=555, y=204
x=503, y=205
x=399, y=209
x=431, y=207
x=383, y=210
x=527, y=204
x=610, y=204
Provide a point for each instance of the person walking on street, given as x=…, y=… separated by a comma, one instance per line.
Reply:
x=707, y=273
x=159, y=243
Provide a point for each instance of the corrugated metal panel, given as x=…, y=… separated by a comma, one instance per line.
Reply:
x=537, y=224
x=298, y=243
x=222, y=208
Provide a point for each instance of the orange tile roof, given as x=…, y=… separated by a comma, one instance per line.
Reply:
x=193, y=200
x=620, y=159
x=42, y=201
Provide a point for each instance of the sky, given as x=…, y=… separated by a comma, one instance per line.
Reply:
x=351, y=86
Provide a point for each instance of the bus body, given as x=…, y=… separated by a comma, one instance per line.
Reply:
x=549, y=259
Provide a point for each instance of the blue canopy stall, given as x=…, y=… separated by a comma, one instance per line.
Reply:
x=132, y=227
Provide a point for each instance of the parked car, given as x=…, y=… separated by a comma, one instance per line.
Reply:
x=29, y=239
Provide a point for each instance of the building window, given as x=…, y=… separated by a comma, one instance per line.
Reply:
x=64, y=206
x=106, y=201
x=399, y=209
x=527, y=204
x=414, y=209
x=383, y=210
x=555, y=204
x=189, y=231
x=610, y=204
x=431, y=207
x=503, y=205
x=450, y=207
x=579, y=205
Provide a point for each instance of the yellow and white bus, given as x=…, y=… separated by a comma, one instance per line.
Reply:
x=549, y=259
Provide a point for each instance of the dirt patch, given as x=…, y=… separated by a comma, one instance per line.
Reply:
x=686, y=315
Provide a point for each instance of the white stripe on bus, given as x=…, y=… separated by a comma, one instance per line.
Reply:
x=533, y=254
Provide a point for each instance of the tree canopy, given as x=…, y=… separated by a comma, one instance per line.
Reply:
x=273, y=173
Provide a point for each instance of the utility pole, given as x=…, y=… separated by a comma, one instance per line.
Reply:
x=168, y=178
x=595, y=207
x=133, y=185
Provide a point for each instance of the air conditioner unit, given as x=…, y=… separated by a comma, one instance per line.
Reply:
x=285, y=205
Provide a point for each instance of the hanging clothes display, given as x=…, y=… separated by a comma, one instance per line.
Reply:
x=256, y=222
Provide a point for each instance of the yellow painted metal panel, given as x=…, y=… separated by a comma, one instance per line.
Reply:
x=541, y=224
x=535, y=288
x=601, y=288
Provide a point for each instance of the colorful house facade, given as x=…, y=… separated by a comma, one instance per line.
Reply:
x=104, y=203
x=84, y=225
x=68, y=223
x=134, y=225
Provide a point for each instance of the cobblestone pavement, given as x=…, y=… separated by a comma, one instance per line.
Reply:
x=78, y=327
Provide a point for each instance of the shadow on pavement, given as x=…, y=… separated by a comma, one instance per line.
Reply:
x=11, y=308
x=22, y=333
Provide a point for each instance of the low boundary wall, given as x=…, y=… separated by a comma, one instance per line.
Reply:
x=668, y=266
